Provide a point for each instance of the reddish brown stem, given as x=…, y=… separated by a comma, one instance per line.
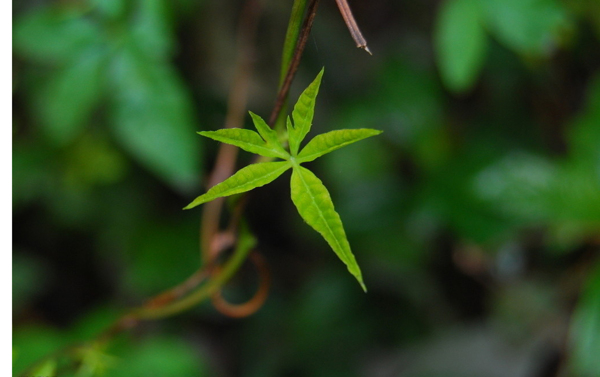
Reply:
x=291, y=73
x=361, y=42
x=236, y=105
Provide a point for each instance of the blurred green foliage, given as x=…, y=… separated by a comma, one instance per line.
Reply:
x=96, y=49
x=475, y=216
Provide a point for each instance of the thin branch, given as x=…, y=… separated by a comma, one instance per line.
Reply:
x=291, y=36
x=173, y=301
x=361, y=42
x=289, y=77
x=236, y=111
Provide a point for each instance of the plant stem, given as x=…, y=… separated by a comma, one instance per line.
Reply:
x=360, y=41
x=295, y=62
x=245, y=244
x=236, y=111
x=291, y=37
x=163, y=305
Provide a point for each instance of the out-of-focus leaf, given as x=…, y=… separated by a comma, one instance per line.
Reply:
x=165, y=357
x=248, y=140
x=33, y=343
x=28, y=277
x=576, y=195
x=111, y=9
x=94, y=360
x=408, y=107
x=531, y=27
x=151, y=29
x=585, y=329
x=153, y=118
x=93, y=160
x=34, y=173
x=584, y=135
x=314, y=204
x=518, y=185
x=303, y=114
x=54, y=34
x=246, y=179
x=460, y=42
x=46, y=369
x=450, y=193
x=65, y=104
x=330, y=141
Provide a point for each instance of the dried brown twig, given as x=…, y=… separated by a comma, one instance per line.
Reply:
x=361, y=42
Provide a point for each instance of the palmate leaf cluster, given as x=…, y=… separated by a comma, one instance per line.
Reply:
x=309, y=195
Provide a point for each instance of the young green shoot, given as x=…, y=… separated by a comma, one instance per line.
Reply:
x=308, y=193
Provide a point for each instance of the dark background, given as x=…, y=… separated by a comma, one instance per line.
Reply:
x=475, y=216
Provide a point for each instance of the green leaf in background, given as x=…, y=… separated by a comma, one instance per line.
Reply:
x=585, y=330
x=110, y=9
x=160, y=356
x=531, y=27
x=314, y=204
x=30, y=344
x=248, y=140
x=66, y=102
x=252, y=176
x=46, y=369
x=330, y=141
x=54, y=34
x=153, y=118
x=93, y=159
x=267, y=133
x=151, y=28
x=94, y=360
x=584, y=134
x=28, y=278
x=460, y=43
x=303, y=113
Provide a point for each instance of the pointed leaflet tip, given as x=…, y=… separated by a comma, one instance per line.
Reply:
x=246, y=179
x=248, y=140
x=269, y=135
x=330, y=141
x=303, y=113
x=314, y=205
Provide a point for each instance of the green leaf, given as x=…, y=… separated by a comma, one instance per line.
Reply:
x=585, y=329
x=330, y=141
x=303, y=113
x=267, y=133
x=314, y=204
x=94, y=360
x=584, y=133
x=65, y=104
x=46, y=369
x=32, y=343
x=460, y=42
x=252, y=176
x=113, y=10
x=52, y=34
x=248, y=140
x=161, y=356
x=153, y=118
x=152, y=28
x=531, y=27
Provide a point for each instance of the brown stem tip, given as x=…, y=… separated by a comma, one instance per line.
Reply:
x=360, y=41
